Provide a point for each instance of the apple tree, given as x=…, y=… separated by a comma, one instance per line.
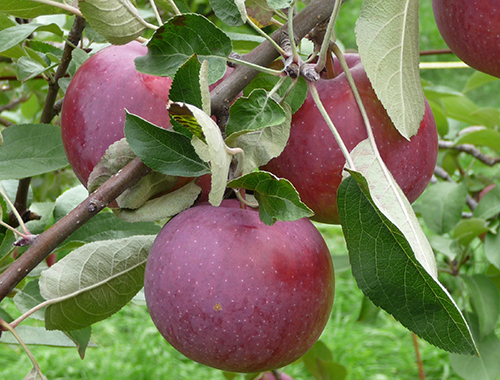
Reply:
x=185, y=148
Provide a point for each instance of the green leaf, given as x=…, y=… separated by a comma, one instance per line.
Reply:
x=94, y=281
x=387, y=271
x=30, y=150
x=278, y=199
x=163, y=150
x=244, y=43
x=485, y=300
x=181, y=37
x=445, y=245
x=116, y=20
x=29, y=298
x=68, y=200
x=369, y=312
x=320, y=363
x=260, y=12
x=38, y=336
x=296, y=96
x=468, y=229
x=388, y=41
x=232, y=12
x=491, y=244
x=262, y=145
x=107, y=227
x=12, y=36
x=28, y=68
x=279, y=4
x=464, y=109
x=162, y=207
x=186, y=84
x=486, y=365
x=391, y=201
x=210, y=147
x=481, y=137
x=29, y=9
x=46, y=211
x=254, y=112
x=489, y=205
x=81, y=339
x=442, y=205
x=476, y=80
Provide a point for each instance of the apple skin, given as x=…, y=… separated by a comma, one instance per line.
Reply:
x=471, y=29
x=230, y=292
x=93, y=114
x=313, y=162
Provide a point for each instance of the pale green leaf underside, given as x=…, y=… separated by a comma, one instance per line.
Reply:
x=94, y=281
x=391, y=200
x=116, y=20
x=387, y=271
x=387, y=35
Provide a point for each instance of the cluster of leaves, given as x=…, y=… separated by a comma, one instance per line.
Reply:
x=391, y=257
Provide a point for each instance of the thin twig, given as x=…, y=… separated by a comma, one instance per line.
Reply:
x=441, y=173
x=472, y=150
x=420, y=364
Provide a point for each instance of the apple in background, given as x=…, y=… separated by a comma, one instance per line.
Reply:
x=232, y=293
x=313, y=162
x=93, y=114
x=471, y=29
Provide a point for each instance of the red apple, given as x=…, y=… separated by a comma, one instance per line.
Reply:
x=471, y=29
x=313, y=162
x=232, y=293
x=93, y=113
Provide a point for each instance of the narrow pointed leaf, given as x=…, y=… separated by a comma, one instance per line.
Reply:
x=278, y=199
x=181, y=37
x=93, y=282
x=387, y=271
x=116, y=20
x=14, y=35
x=29, y=298
x=208, y=143
x=32, y=335
x=186, y=84
x=163, y=150
x=388, y=39
x=392, y=202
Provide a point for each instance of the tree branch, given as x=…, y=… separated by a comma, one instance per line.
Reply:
x=221, y=98
x=472, y=150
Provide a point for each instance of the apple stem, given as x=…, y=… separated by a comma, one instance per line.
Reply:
x=266, y=36
x=329, y=35
x=276, y=87
x=157, y=14
x=16, y=213
x=293, y=45
x=62, y=6
x=6, y=326
x=314, y=93
x=173, y=5
x=254, y=66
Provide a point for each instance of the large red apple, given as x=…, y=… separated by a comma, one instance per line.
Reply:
x=471, y=29
x=93, y=112
x=232, y=293
x=313, y=162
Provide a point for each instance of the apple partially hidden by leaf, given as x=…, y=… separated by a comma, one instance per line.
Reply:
x=230, y=292
x=313, y=162
x=93, y=112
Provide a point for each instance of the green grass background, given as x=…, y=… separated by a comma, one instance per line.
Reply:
x=129, y=346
